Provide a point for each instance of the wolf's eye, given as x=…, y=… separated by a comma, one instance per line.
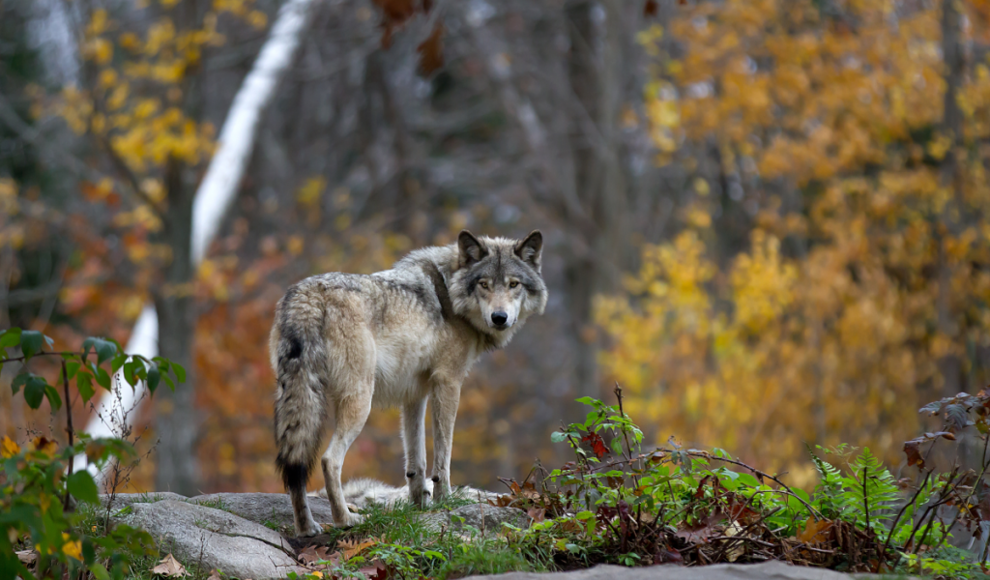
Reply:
x=483, y=285
x=513, y=284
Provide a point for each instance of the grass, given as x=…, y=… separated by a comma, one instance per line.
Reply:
x=412, y=546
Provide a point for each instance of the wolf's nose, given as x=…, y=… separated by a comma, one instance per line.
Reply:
x=499, y=318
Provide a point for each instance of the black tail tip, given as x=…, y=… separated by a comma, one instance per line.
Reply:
x=294, y=475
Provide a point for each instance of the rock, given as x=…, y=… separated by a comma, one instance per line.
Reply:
x=272, y=510
x=122, y=500
x=489, y=518
x=482, y=517
x=765, y=571
x=204, y=538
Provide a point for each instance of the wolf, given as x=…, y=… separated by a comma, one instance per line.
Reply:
x=342, y=343
x=362, y=492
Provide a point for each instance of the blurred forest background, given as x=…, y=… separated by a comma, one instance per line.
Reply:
x=767, y=219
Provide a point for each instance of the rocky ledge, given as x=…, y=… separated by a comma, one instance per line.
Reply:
x=248, y=536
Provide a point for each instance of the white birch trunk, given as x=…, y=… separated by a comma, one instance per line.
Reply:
x=217, y=191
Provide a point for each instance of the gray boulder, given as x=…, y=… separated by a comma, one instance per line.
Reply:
x=204, y=538
x=272, y=510
x=122, y=500
x=482, y=517
x=489, y=518
x=765, y=571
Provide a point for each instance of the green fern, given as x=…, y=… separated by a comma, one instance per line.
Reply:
x=869, y=492
x=829, y=488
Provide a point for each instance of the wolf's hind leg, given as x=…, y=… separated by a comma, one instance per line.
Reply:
x=301, y=515
x=352, y=411
x=414, y=442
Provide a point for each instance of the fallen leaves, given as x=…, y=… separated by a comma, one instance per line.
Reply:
x=815, y=531
x=170, y=567
x=319, y=559
x=351, y=548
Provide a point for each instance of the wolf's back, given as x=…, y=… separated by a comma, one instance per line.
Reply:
x=299, y=351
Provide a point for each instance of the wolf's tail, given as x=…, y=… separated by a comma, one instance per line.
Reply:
x=300, y=406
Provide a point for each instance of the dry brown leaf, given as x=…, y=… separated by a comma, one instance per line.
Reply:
x=537, y=514
x=311, y=554
x=814, y=531
x=737, y=550
x=171, y=567
x=214, y=575
x=650, y=8
x=431, y=52
x=352, y=548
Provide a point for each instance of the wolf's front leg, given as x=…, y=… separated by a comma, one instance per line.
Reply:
x=445, y=400
x=414, y=443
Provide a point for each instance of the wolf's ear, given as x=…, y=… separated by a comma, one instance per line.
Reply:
x=471, y=250
x=530, y=250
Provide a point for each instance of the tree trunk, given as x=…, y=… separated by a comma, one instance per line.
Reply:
x=598, y=81
x=950, y=365
x=176, y=420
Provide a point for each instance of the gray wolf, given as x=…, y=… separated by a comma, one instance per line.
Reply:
x=362, y=492
x=342, y=343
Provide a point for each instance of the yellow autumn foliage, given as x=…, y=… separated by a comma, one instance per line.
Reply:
x=864, y=268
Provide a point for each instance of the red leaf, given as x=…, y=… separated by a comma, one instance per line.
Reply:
x=597, y=444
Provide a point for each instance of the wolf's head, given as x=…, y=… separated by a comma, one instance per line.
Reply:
x=497, y=284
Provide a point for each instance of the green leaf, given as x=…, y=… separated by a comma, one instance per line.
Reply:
x=102, y=377
x=118, y=361
x=88, y=550
x=34, y=391
x=53, y=399
x=104, y=351
x=31, y=342
x=130, y=370
x=168, y=381
x=180, y=373
x=10, y=337
x=557, y=437
x=72, y=367
x=99, y=571
x=749, y=480
x=154, y=377
x=19, y=381
x=82, y=487
x=84, y=384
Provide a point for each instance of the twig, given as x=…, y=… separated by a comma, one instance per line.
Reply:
x=68, y=429
x=43, y=353
x=625, y=434
x=897, y=519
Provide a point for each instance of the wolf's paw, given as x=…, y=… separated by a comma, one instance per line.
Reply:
x=310, y=529
x=349, y=521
